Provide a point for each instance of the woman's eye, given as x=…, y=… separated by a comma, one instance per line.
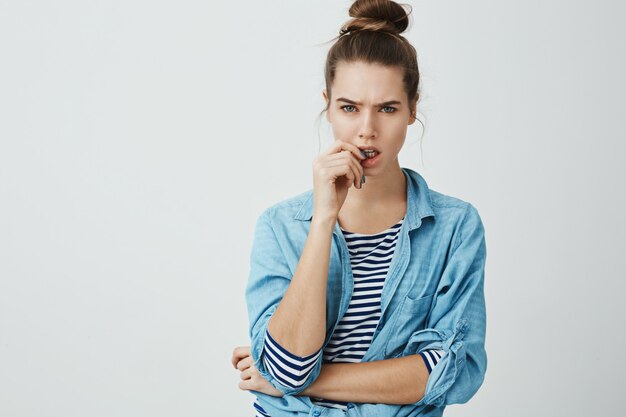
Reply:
x=348, y=106
x=344, y=107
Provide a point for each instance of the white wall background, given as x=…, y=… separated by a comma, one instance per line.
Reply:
x=139, y=141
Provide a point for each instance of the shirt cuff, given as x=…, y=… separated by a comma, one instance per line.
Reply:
x=289, y=370
x=431, y=357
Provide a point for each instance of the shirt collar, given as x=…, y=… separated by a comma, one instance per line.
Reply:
x=419, y=204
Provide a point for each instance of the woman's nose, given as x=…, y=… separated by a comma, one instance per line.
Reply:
x=367, y=128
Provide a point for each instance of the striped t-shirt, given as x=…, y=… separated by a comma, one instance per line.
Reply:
x=370, y=257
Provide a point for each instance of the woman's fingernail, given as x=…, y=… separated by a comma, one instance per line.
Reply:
x=362, y=153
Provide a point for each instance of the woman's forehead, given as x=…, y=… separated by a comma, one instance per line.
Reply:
x=365, y=82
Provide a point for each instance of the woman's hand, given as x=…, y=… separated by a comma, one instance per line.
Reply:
x=334, y=171
x=251, y=380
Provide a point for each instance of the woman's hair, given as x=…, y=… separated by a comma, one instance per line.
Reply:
x=373, y=36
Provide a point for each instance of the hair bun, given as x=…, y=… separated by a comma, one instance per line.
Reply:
x=377, y=15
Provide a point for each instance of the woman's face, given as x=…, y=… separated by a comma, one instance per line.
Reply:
x=369, y=108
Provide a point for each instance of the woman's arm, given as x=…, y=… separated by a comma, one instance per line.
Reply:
x=390, y=381
x=299, y=322
x=273, y=292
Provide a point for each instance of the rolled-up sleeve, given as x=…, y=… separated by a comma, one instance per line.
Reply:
x=457, y=320
x=268, y=280
x=289, y=369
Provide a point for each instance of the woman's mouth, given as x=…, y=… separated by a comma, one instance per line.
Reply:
x=372, y=157
x=369, y=153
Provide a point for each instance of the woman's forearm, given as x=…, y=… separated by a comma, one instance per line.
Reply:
x=390, y=381
x=299, y=322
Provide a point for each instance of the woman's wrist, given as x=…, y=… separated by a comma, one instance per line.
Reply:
x=323, y=221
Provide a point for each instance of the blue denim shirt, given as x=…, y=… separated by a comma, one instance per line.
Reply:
x=433, y=297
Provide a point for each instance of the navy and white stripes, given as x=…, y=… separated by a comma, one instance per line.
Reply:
x=431, y=357
x=289, y=369
x=370, y=256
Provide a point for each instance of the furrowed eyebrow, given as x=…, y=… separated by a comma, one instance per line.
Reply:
x=386, y=103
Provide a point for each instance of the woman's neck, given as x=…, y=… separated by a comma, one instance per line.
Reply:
x=388, y=188
x=382, y=206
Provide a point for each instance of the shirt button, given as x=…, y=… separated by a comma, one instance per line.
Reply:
x=316, y=413
x=350, y=405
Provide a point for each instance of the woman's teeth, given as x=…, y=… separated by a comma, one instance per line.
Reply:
x=370, y=154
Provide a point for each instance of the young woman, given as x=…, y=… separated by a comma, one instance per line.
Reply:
x=366, y=298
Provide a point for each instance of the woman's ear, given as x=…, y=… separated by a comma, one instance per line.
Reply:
x=413, y=113
x=325, y=95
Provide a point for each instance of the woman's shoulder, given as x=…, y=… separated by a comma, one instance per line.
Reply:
x=450, y=209
x=442, y=200
x=440, y=203
x=458, y=208
x=289, y=207
x=460, y=213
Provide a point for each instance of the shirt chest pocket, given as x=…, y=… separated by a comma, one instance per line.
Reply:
x=410, y=317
